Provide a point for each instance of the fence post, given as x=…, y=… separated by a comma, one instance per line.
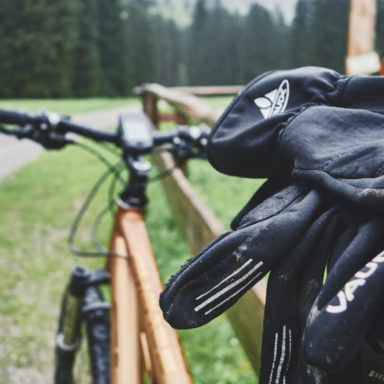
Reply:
x=361, y=56
x=150, y=107
x=181, y=118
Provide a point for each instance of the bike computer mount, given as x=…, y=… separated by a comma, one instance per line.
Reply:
x=135, y=132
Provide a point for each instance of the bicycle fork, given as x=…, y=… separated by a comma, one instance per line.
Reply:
x=82, y=301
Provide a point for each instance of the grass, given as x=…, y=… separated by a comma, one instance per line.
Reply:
x=225, y=195
x=38, y=205
x=67, y=106
x=34, y=257
x=218, y=101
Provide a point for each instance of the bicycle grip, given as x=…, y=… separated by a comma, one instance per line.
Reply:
x=14, y=117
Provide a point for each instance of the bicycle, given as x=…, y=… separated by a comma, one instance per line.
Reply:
x=139, y=335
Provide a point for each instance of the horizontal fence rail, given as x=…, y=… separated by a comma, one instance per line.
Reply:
x=186, y=105
x=196, y=221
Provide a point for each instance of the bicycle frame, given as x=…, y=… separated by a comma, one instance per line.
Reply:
x=138, y=329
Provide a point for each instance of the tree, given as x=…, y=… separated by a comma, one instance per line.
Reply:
x=214, y=46
x=139, y=40
x=195, y=59
x=112, y=48
x=61, y=48
x=300, y=36
x=86, y=67
x=330, y=33
x=11, y=59
x=261, y=42
x=38, y=41
x=168, y=51
x=221, y=47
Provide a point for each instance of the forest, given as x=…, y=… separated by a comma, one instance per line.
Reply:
x=87, y=48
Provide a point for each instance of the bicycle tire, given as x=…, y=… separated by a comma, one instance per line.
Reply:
x=95, y=317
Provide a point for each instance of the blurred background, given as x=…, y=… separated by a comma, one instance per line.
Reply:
x=87, y=48
x=98, y=50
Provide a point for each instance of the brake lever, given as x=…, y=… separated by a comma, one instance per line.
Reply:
x=192, y=141
x=51, y=140
x=45, y=137
x=6, y=131
x=24, y=132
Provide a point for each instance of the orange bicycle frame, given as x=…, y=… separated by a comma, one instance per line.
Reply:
x=139, y=332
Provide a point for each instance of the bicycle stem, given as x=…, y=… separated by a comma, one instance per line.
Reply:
x=134, y=194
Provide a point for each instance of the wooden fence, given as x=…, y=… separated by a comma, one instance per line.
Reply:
x=195, y=220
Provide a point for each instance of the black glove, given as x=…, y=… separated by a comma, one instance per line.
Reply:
x=215, y=279
x=338, y=235
x=295, y=122
x=243, y=142
x=292, y=234
x=343, y=311
x=313, y=135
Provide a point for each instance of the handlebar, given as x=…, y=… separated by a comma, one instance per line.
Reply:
x=15, y=117
x=68, y=127
x=51, y=129
x=49, y=122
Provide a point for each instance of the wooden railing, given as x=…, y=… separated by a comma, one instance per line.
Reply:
x=195, y=220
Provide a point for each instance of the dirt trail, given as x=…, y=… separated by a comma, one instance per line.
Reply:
x=17, y=153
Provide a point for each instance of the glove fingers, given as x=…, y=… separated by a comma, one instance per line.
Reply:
x=367, y=241
x=281, y=334
x=203, y=288
x=372, y=351
x=292, y=288
x=334, y=238
x=216, y=278
x=336, y=333
x=351, y=374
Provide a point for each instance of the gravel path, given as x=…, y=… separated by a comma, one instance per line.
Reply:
x=17, y=153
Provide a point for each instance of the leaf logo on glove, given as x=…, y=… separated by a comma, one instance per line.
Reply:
x=347, y=293
x=275, y=101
